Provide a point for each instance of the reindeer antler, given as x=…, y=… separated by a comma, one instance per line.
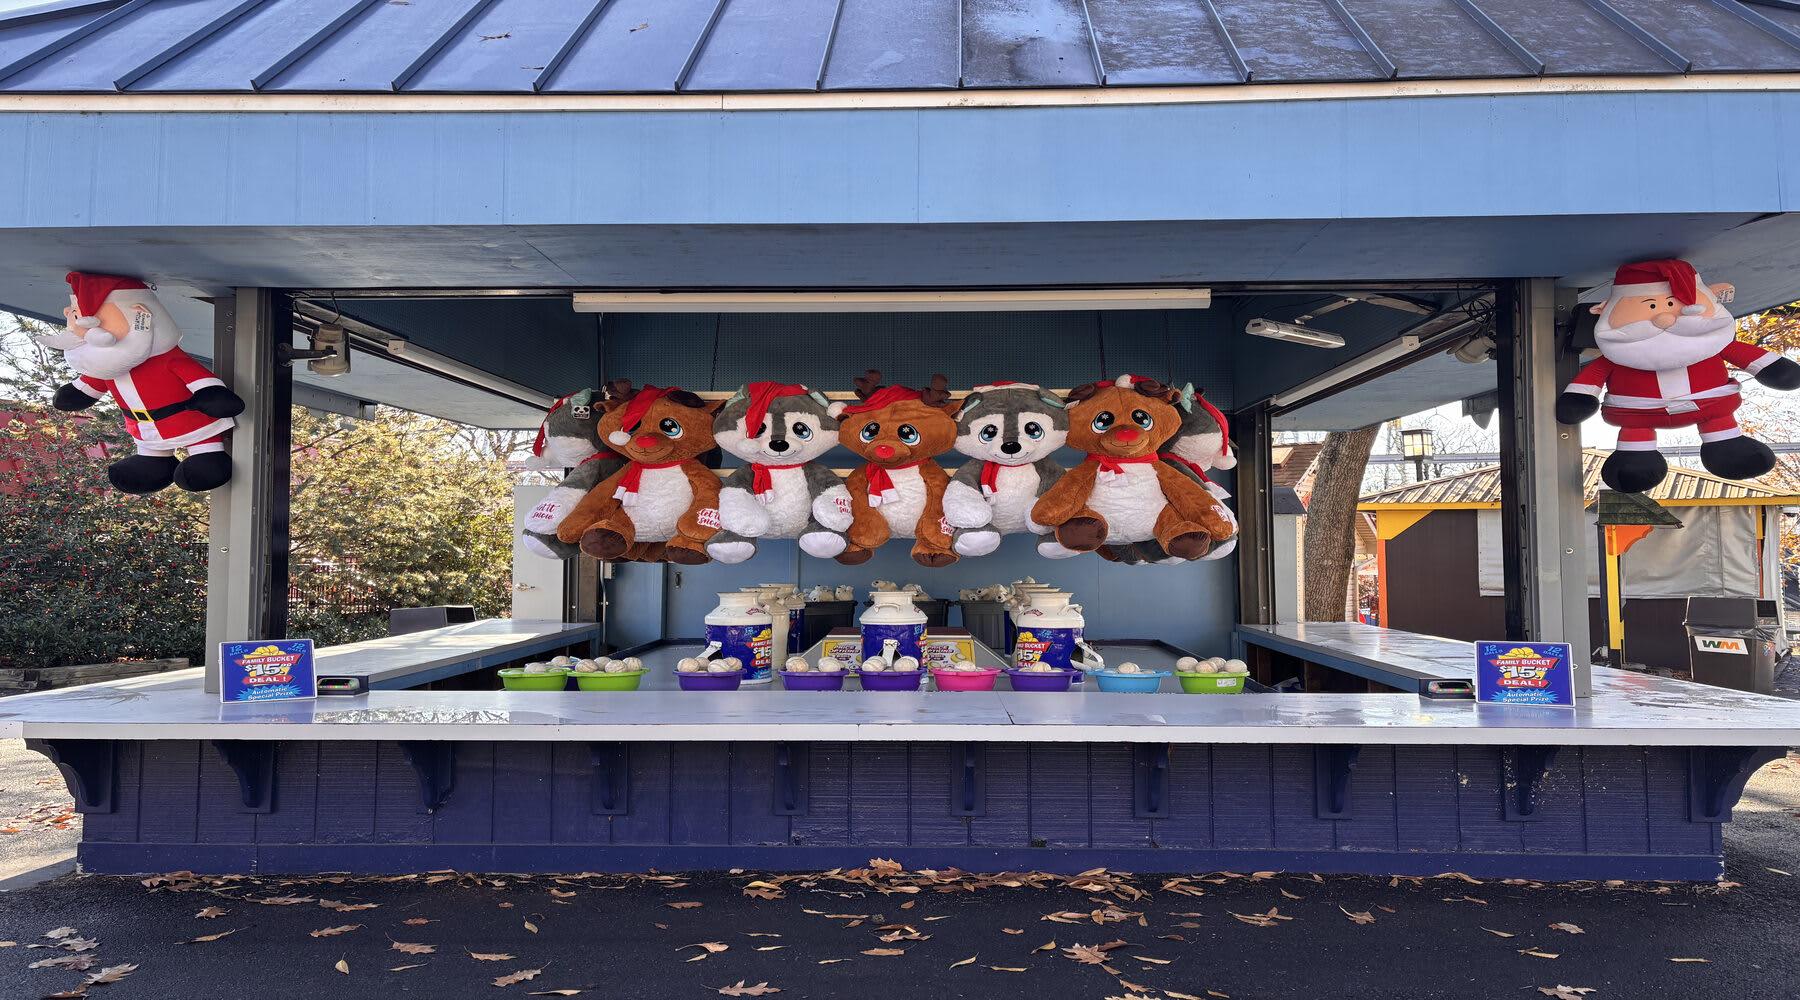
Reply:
x=1155, y=390
x=938, y=393
x=868, y=383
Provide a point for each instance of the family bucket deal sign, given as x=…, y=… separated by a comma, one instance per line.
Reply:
x=266, y=670
x=1524, y=673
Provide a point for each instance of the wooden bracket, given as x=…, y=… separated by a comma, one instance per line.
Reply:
x=1150, y=780
x=254, y=763
x=611, y=765
x=1332, y=767
x=791, y=768
x=1522, y=771
x=1717, y=775
x=89, y=768
x=434, y=761
x=968, y=781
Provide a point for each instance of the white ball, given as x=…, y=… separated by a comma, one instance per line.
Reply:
x=798, y=663
x=1188, y=665
x=732, y=663
x=907, y=664
x=617, y=667
x=1209, y=667
x=632, y=663
x=874, y=664
x=721, y=667
x=830, y=664
x=690, y=665
x=1130, y=668
x=562, y=661
x=586, y=666
x=537, y=668
x=1236, y=666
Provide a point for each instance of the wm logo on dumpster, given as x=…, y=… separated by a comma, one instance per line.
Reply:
x=1720, y=644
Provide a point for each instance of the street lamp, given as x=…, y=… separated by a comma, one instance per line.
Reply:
x=1416, y=445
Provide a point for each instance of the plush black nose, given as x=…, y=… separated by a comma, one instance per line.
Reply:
x=1010, y=447
x=778, y=446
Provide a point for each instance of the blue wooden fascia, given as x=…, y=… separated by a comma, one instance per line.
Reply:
x=89, y=768
x=1333, y=767
x=434, y=761
x=253, y=761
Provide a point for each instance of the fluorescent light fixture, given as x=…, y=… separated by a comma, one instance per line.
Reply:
x=959, y=300
x=1293, y=333
x=1345, y=372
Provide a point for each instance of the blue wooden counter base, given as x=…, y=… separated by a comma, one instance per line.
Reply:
x=1594, y=812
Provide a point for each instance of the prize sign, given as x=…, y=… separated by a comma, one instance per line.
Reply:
x=266, y=670
x=1524, y=673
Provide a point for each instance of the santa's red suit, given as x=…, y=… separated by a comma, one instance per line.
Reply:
x=154, y=397
x=1702, y=395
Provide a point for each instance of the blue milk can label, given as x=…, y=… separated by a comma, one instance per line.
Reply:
x=1524, y=673
x=266, y=670
x=910, y=637
x=1040, y=644
x=749, y=643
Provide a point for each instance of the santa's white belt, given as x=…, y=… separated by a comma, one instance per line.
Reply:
x=1671, y=404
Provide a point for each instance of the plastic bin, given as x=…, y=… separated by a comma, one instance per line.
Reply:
x=1730, y=644
x=986, y=621
x=823, y=616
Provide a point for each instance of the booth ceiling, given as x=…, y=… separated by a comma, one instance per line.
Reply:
x=667, y=46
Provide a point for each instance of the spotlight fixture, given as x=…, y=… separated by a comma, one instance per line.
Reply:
x=1293, y=333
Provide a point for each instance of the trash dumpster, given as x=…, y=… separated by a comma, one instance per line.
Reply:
x=1730, y=644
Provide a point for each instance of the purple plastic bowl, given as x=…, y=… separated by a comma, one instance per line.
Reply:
x=807, y=680
x=711, y=682
x=896, y=680
x=1037, y=680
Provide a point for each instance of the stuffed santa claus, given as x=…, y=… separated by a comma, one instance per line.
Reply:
x=122, y=342
x=1665, y=340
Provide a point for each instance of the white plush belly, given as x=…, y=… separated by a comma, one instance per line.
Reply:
x=907, y=504
x=1016, y=489
x=788, y=502
x=1131, y=503
x=663, y=496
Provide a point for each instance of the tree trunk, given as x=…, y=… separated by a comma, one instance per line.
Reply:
x=1330, y=542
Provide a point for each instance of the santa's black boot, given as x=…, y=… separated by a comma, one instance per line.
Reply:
x=206, y=471
x=1634, y=471
x=142, y=474
x=1737, y=458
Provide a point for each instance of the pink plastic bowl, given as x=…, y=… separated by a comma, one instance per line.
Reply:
x=965, y=680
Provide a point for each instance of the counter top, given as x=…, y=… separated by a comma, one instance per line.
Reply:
x=396, y=661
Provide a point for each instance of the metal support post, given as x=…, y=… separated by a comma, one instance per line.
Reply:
x=1256, y=519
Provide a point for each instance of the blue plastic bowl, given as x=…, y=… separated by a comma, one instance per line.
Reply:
x=1129, y=683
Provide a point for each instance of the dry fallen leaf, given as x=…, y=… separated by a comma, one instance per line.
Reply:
x=1290, y=895
x=79, y=992
x=332, y=904
x=771, y=947
x=556, y=993
x=413, y=949
x=1703, y=960
x=712, y=947
x=531, y=927
x=325, y=932
x=832, y=961
x=1496, y=933
x=683, y=906
x=761, y=934
x=403, y=968
x=884, y=952
x=1534, y=953
x=59, y=933
x=1566, y=928
x=1566, y=992
x=1006, y=968
x=1046, y=946
x=110, y=974
x=490, y=956
x=1153, y=961
x=75, y=963
x=211, y=912
x=738, y=989
x=283, y=900
x=417, y=921
x=1358, y=916
x=967, y=961
x=561, y=894
x=342, y=966
x=204, y=938
x=1011, y=930
x=520, y=976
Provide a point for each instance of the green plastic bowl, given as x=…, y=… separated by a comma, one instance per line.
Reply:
x=516, y=679
x=599, y=681
x=1213, y=683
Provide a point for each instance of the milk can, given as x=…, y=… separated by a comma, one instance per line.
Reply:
x=891, y=616
x=741, y=627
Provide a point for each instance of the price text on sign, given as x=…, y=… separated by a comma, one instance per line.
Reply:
x=1524, y=673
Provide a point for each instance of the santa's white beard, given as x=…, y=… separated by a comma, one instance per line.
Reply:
x=1645, y=346
x=112, y=360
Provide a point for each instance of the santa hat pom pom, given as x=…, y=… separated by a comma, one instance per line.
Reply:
x=618, y=439
x=1123, y=381
x=835, y=410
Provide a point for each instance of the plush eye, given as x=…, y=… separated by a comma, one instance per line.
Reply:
x=1034, y=430
x=801, y=431
x=670, y=426
x=1103, y=420
x=869, y=431
x=908, y=434
x=989, y=433
x=1142, y=419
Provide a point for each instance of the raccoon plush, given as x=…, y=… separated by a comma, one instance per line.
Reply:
x=567, y=439
x=1202, y=445
x=1010, y=430
x=780, y=430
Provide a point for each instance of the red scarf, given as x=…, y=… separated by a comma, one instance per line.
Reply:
x=761, y=482
x=1110, y=466
x=990, y=478
x=761, y=395
x=881, y=485
x=1169, y=456
x=627, y=491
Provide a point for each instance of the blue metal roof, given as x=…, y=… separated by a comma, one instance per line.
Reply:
x=720, y=46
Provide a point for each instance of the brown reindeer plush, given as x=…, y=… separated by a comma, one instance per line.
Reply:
x=1121, y=493
x=663, y=505
x=900, y=491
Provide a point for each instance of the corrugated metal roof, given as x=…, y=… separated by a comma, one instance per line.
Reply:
x=1482, y=486
x=722, y=46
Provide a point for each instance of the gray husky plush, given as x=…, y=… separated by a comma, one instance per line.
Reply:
x=567, y=439
x=1010, y=430
x=779, y=430
x=1202, y=445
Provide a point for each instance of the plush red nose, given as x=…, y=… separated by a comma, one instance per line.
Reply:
x=1126, y=433
x=884, y=451
x=648, y=440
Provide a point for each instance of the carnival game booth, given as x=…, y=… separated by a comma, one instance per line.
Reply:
x=1110, y=206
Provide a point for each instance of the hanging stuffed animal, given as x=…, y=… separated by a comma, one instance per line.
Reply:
x=663, y=504
x=1202, y=445
x=569, y=439
x=1122, y=492
x=1010, y=430
x=122, y=342
x=780, y=430
x=1665, y=339
x=900, y=490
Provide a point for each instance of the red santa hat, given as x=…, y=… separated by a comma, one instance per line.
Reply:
x=1658, y=277
x=761, y=395
x=91, y=291
x=885, y=396
x=1006, y=384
